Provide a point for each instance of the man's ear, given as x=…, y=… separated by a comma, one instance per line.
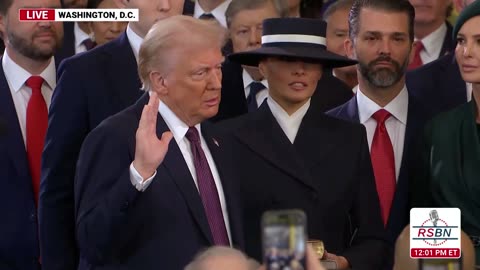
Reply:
x=3, y=32
x=412, y=53
x=158, y=83
x=348, y=45
x=121, y=3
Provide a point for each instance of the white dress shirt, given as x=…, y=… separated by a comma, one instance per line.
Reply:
x=469, y=91
x=261, y=95
x=433, y=43
x=395, y=124
x=289, y=123
x=16, y=77
x=135, y=41
x=80, y=36
x=218, y=12
x=179, y=130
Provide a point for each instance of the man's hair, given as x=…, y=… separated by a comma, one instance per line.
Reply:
x=336, y=6
x=239, y=5
x=403, y=6
x=4, y=6
x=219, y=251
x=174, y=33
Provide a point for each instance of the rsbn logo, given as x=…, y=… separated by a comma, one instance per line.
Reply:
x=435, y=233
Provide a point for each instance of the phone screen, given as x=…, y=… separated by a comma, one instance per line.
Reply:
x=284, y=240
x=438, y=264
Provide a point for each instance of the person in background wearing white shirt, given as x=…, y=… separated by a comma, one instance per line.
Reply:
x=381, y=38
x=154, y=183
x=91, y=87
x=211, y=9
x=27, y=81
x=432, y=31
x=446, y=89
x=243, y=87
x=291, y=155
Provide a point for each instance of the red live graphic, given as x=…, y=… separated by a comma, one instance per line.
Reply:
x=37, y=14
x=435, y=253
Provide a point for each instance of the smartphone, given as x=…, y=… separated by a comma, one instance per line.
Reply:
x=284, y=239
x=440, y=264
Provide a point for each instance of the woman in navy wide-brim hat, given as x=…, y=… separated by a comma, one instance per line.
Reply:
x=294, y=156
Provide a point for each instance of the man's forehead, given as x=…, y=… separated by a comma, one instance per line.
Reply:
x=376, y=20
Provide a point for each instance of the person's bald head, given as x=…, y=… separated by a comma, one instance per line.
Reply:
x=219, y=258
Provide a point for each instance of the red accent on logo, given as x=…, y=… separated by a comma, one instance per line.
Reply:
x=435, y=253
x=36, y=14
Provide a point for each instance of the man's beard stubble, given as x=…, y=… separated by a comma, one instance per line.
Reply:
x=382, y=77
x=28, y=49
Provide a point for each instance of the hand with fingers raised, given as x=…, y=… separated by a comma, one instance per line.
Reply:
x=150, y=150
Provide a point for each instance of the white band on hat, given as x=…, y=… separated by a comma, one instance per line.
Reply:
x=294, y=39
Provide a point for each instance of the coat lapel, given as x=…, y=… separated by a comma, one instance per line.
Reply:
x=12, y=140
x=271, y=143
x=314, y=139
x=221, y=156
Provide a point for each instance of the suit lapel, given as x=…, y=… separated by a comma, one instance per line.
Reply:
x=264, y=136
x=189, y=7
x=176, y=167
x=221, y=156
x=352, y=110
x=13, y=139
x=121, y=72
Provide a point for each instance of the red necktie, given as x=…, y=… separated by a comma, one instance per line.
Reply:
x=417, y=60
x=208, y=190
x=383, y=162
x=37, y=120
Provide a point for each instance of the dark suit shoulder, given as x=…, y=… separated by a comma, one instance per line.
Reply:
x=124, y=122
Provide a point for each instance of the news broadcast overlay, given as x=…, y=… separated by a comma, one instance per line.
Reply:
x=435, y=233
x=77, y=15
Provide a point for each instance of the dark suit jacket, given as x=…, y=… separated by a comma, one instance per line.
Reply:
x=326, y=172
x=160, y=228
x=330, y=92
x=68, y=47
x=18, y=228
x=448, y=45
x=400, y=210
x=189, y=7
x=438, y=84
x=91, y=87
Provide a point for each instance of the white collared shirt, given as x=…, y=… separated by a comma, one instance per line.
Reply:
x=433, y=43
x=218, y=12
x=16, y=77
x=289, y=123
x=395, y=124
x=261, y=95
x=135, y=41
x=80, y=36
x=179, y=130
x=469, y=91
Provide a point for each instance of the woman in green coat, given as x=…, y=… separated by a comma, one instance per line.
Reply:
x=449, y=173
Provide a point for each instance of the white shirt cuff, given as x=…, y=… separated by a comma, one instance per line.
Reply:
x=137, y=181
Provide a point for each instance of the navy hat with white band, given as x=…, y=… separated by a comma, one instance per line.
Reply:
x=297, y=38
